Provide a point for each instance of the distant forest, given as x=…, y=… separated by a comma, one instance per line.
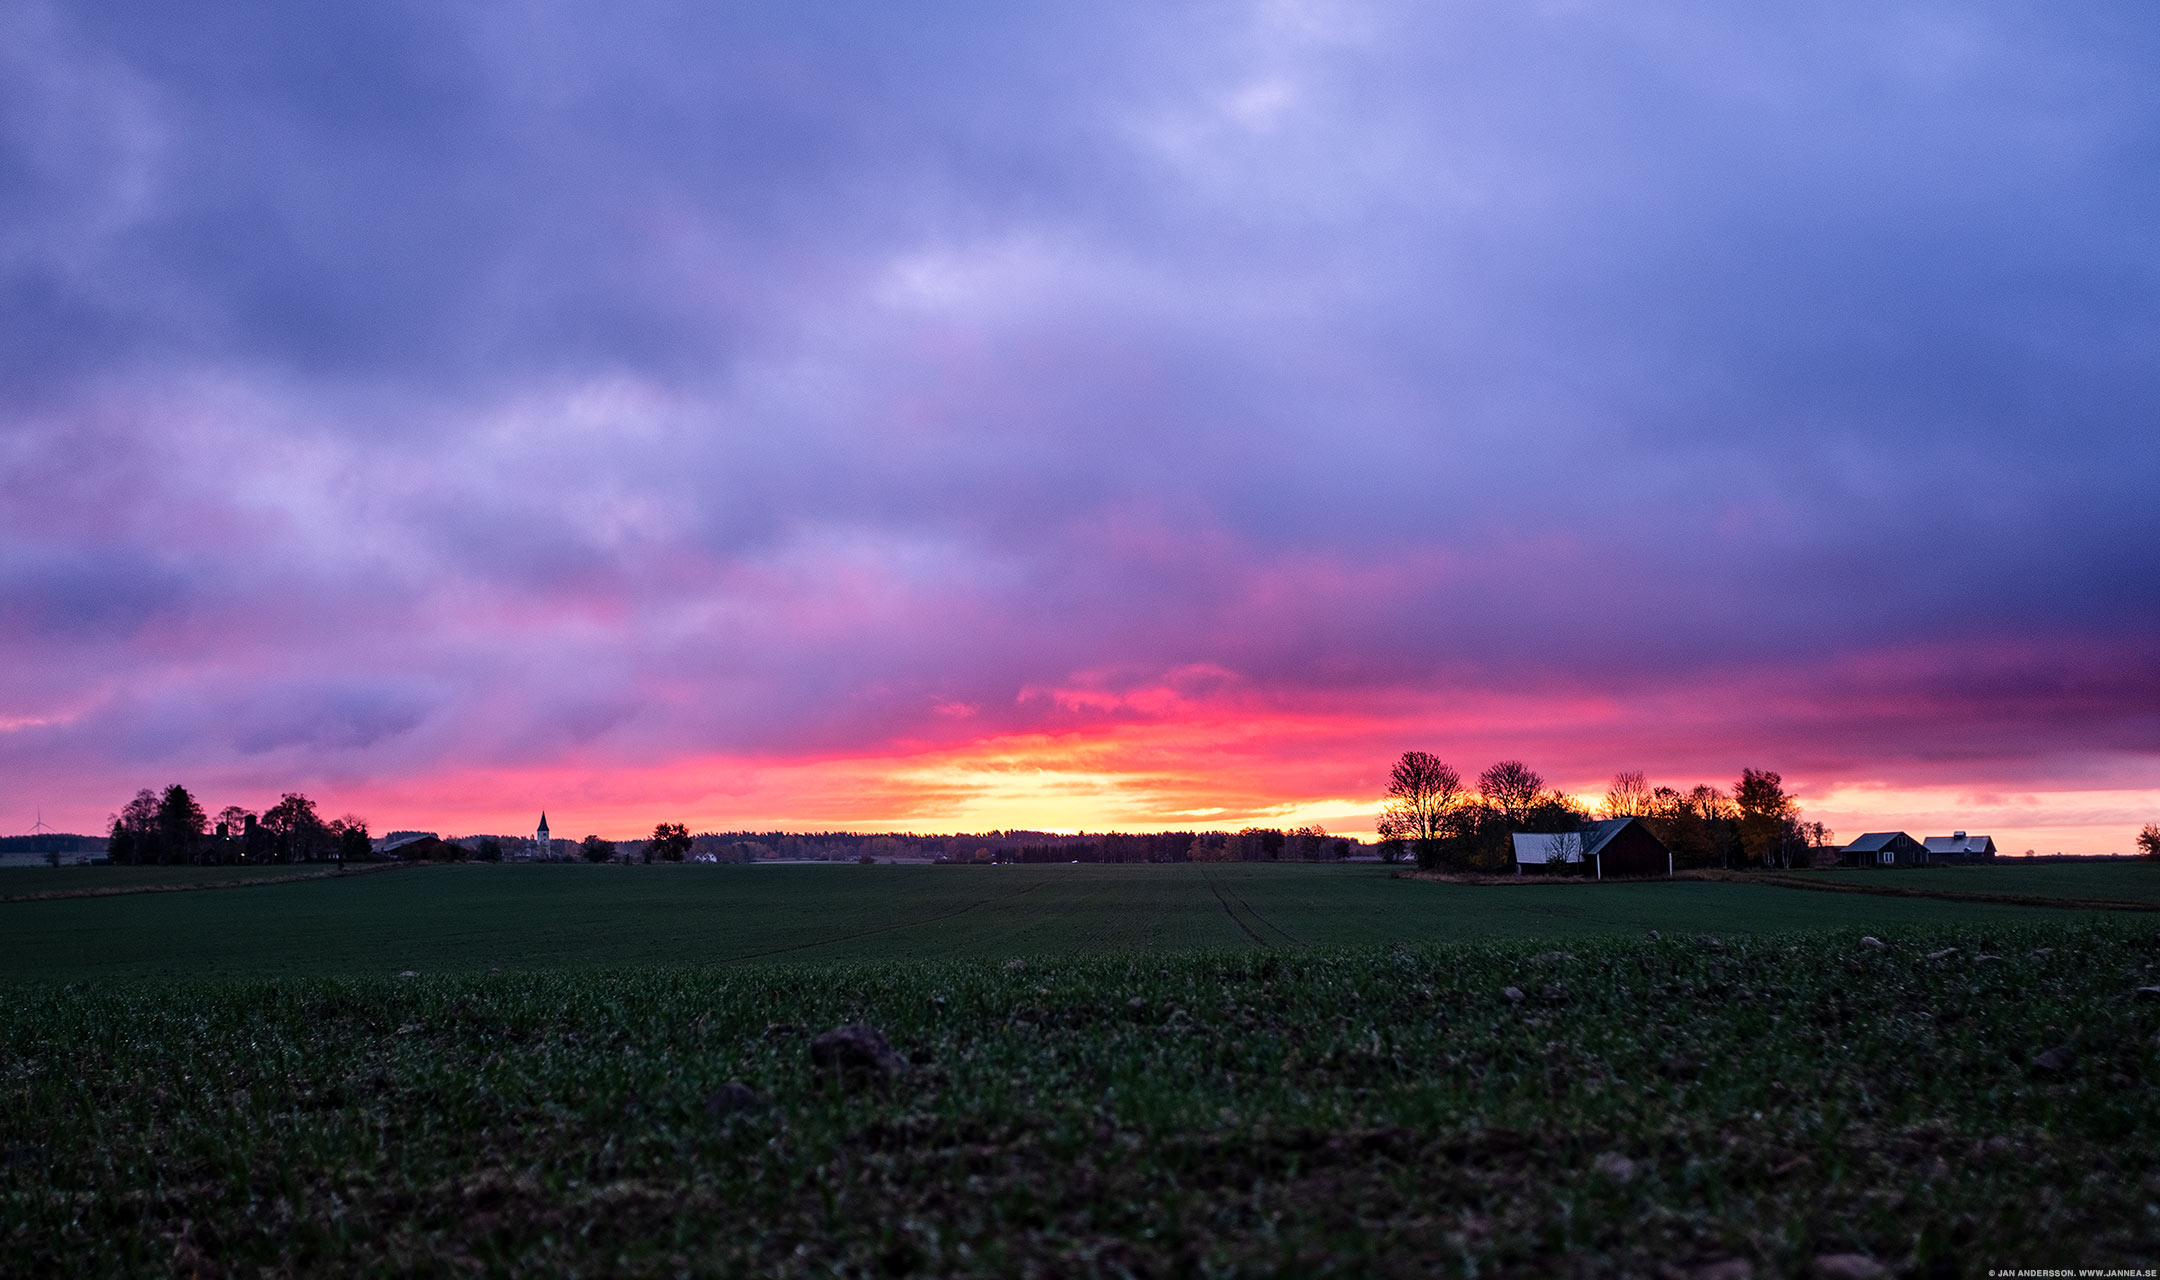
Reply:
x=173, y=827
x=52, y=842
x=1253, y=844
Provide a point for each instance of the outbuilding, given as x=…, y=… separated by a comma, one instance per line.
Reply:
x=1608, y=849
x=1959, y=847
x=429, y=849
x=1884, y=849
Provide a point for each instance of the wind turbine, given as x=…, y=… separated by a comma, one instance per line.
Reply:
x=39, y=827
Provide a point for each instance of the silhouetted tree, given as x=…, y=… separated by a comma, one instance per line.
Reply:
x=2149, y=840
x=594, y=849
x=488, y=849
x=1628, y=796
x=1700, y=826
x=1475, y=837
x=1422, y=789
x=181, y=824
x=1768, y=819
x=134, y=839
x=349, y=837
x=671, y=840
x=1513, y=788
x=297, y=832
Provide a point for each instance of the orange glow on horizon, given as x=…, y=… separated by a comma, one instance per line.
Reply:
x=1203, y=772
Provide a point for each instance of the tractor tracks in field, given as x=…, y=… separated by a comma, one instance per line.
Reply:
x=830, y=939
x=1232, y=902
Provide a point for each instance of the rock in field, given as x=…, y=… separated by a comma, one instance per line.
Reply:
x=1513, y=995
x=2148, y=993
x=1848, y=1266
x=857, y=1047
x=1873, y=943
x=1943, y=954
x=2055, y=1061
x=732, y=1098
x=1615, y=1166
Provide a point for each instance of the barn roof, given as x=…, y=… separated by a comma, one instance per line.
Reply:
x=1959, y=843
x=1597, y=835
x=1874, y=841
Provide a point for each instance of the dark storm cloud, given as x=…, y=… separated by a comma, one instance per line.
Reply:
x=409, y=384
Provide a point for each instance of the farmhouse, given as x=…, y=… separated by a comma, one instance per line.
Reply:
x=1607, y=849
x=1959, y=847
x=1884, y=849
x=428, y=848
x=399, y=839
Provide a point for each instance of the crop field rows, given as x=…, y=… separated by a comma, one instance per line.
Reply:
x=480, y=918
x=1203, y=1070
x=1374, y=1110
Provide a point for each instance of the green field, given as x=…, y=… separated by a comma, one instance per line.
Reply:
x=1364, y=1110
x=479, y=917
x=1179, y=1070
x=31, y=881
x=2129, y=880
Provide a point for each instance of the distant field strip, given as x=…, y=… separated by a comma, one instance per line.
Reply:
x=177, y=879
x=2003, y=892
x=473, y=918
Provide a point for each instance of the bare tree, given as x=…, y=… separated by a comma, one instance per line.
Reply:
x=1513, y=788
x=1628, y=796
x=1422, y=789
x=2149, y=840
x=1564, y=849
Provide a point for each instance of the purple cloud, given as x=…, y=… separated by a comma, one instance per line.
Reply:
x=406, y=390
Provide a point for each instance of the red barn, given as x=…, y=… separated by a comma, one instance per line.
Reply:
x=1606, y=850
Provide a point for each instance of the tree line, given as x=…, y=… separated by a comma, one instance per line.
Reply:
x=671, y=842
x=1252, y=844
x=171, y=828
x=1433, y=815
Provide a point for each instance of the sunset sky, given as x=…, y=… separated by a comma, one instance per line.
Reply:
x=942, y=417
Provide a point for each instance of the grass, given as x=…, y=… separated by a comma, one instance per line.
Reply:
x=477, y=918
x=32, y=882
x=1354, y=1109
x=2132, y=880
x=1191, y=1070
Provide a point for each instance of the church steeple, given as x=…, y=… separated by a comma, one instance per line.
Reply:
x=540, y=837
